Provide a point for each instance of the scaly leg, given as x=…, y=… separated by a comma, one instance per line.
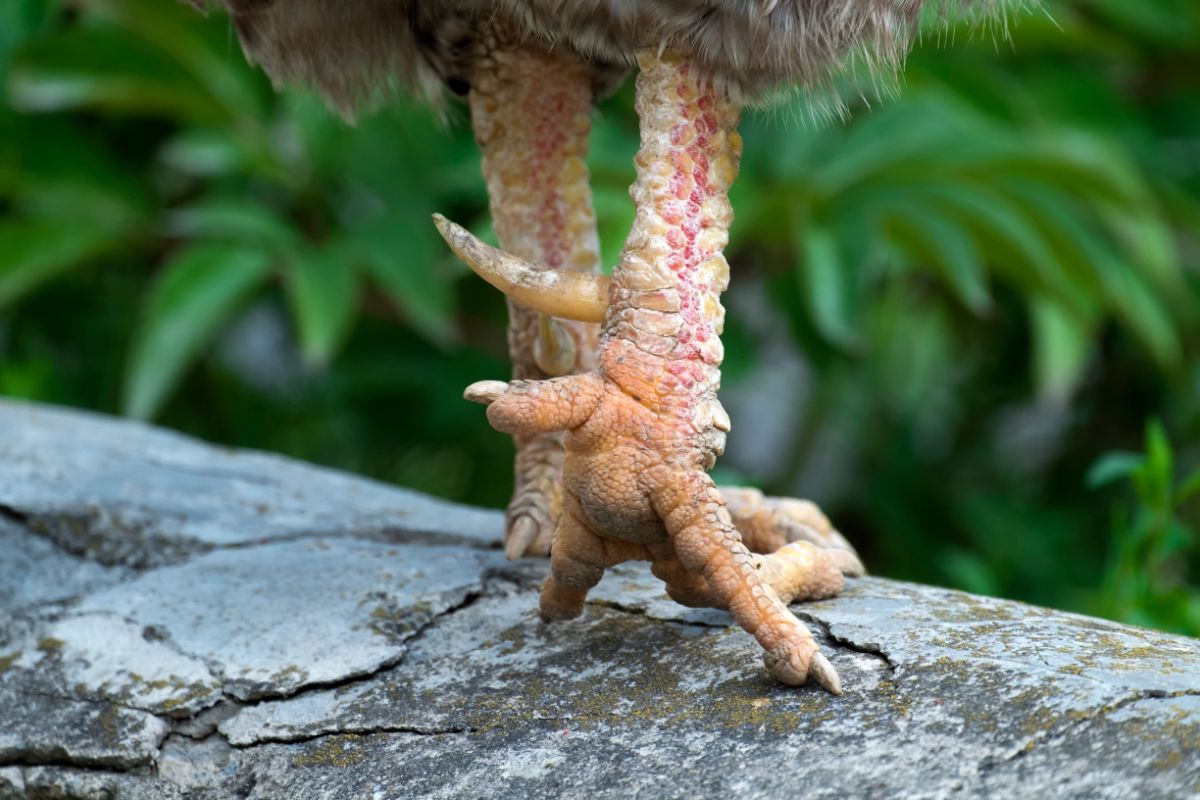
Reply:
x=530, y=111
x=646, y=425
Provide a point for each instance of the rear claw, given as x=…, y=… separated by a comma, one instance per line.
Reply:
x=521, y=536
x=580, y=296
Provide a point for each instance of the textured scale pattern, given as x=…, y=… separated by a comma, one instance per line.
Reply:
x=530, y=110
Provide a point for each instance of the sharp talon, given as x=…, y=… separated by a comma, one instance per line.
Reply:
x=520, y=536
x=846, y=562
x=820, y=670
x=836, y=539
x=485, y=391
x=566, y=294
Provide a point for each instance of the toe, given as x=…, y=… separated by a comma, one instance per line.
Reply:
x=796, y=663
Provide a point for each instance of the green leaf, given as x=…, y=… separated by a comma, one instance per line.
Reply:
x=204, y=152
x=19, y=19
x=200, y=288
x=200, y=48
x=1094, y=263
x=1147, y=235
x=1160, y=466
x=1112, y=467
x=1062, y=346
x=106, y=69
x=33, y=252
x=970, y=571
x=233, y=220
x=952, y=252
x=322, y=288
x=1189, y=489
x=1144, y=313
x=918, y=131
x=403, y=261
x=822, y=284
x=56, y=168
x=614, y=216
x=1003, y=226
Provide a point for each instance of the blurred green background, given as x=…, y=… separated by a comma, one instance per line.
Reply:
x=964, y=319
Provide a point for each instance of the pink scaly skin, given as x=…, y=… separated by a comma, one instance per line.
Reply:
x=530, y=111
x=644, y=427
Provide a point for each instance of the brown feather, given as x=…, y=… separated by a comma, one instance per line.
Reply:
x=347, y=49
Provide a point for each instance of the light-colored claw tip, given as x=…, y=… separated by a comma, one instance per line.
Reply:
x=485, y=392
x=566, y=294
x=838, y=540
x=520, y=537
x=820, y=670
x=847, y=562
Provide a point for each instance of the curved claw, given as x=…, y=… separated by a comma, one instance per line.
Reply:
x=581, y=296
x=520, y=536
x=785, y=666
x=821, y=671
x=846, y=562
x=485, y=392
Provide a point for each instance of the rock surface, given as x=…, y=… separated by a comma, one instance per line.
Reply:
x=184, y=621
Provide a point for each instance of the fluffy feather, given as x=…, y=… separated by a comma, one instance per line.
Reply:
x=347, y=48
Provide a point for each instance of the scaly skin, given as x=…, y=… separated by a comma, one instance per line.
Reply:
x=643, y=428
x=530, y=111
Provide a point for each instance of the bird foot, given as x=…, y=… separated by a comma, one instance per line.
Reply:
x=643, y=426
x=633, y=488
x=766, y=523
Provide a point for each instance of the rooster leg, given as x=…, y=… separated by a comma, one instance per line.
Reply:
x=645, y=426
x=530, y=111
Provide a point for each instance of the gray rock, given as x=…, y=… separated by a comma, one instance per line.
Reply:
x=40, y=722
x=12, y=782
x=309, y=651
x=53, y=783
x=272, y=618
x=122, y=492
x=33, y=570
x=103, y=658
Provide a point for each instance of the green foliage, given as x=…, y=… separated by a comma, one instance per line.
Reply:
x=990, y=280
x=197, y=291
x=217, y=158
x=1155, y=546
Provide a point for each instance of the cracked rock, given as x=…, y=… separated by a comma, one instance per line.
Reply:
x=38, y=725
x=122, y=492
x=34, y=571
x=103, y=658
x=274, y=618
x=273, y=630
